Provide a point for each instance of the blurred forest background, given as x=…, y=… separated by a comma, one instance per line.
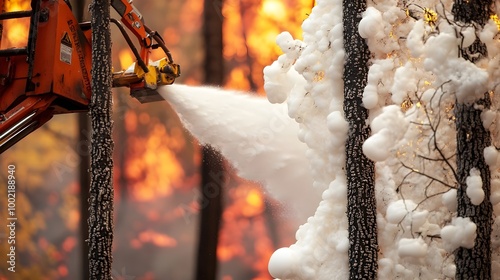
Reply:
x=157, y=163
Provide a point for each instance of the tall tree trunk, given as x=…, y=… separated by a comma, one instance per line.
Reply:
x=101, y=166
x=472, y=139
x=212, y=171
x=361, y=206
x=211, y=212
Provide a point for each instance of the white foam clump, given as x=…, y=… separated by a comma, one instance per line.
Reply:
x=405, y=82
x=489, y=36
x=399, y=209
x=338, y=127
x=440, y=56
x=475, y=187
x=404, y=213
x=467, y=80
x=280, y=77
x=412, y=248
x=495, y=193
x=388, y=129
x=283, y=263
x=449, y=199
x=469, y=36
x=377, y=24
x=315, y=101
x=488, y=117
x=372, y=24
x=491, y=156
x=258, y=139
x=289, y=79
x=376, y=74
x=461, y=233
x=414, y=40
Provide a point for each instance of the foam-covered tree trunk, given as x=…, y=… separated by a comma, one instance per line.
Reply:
x=360, y=171
x=472, y=138
x=101, y=165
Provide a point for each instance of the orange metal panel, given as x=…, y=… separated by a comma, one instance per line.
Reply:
x=62, y=57
x=12, y=86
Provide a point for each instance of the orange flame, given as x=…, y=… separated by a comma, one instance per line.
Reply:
x=155, y=238
x=15, y=31
x=244, y=234
x=274, y=9
x=69, y=243
x=250, y=30
x=152, y=167
x=62, y=270
x=126, y=58
x=238, y=78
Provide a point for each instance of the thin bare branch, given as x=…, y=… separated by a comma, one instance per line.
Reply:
x=413, y=170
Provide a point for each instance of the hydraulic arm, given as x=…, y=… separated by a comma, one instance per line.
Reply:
x=51, y=73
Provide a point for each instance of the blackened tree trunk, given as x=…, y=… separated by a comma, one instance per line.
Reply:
x=212, y=36
x=360, y=171
x=212, y=171
x=101, y=166
x=472, y=139
x=212, y=174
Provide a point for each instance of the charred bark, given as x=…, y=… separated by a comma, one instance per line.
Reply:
x=211, y=213
x=212, y=171
x=213, y=64
x=361, y=206
x=472, y=139
x=101, y=154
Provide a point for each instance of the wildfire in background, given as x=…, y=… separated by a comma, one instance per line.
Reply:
x=17, y=34
x=250, y=30
x=156, y=161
